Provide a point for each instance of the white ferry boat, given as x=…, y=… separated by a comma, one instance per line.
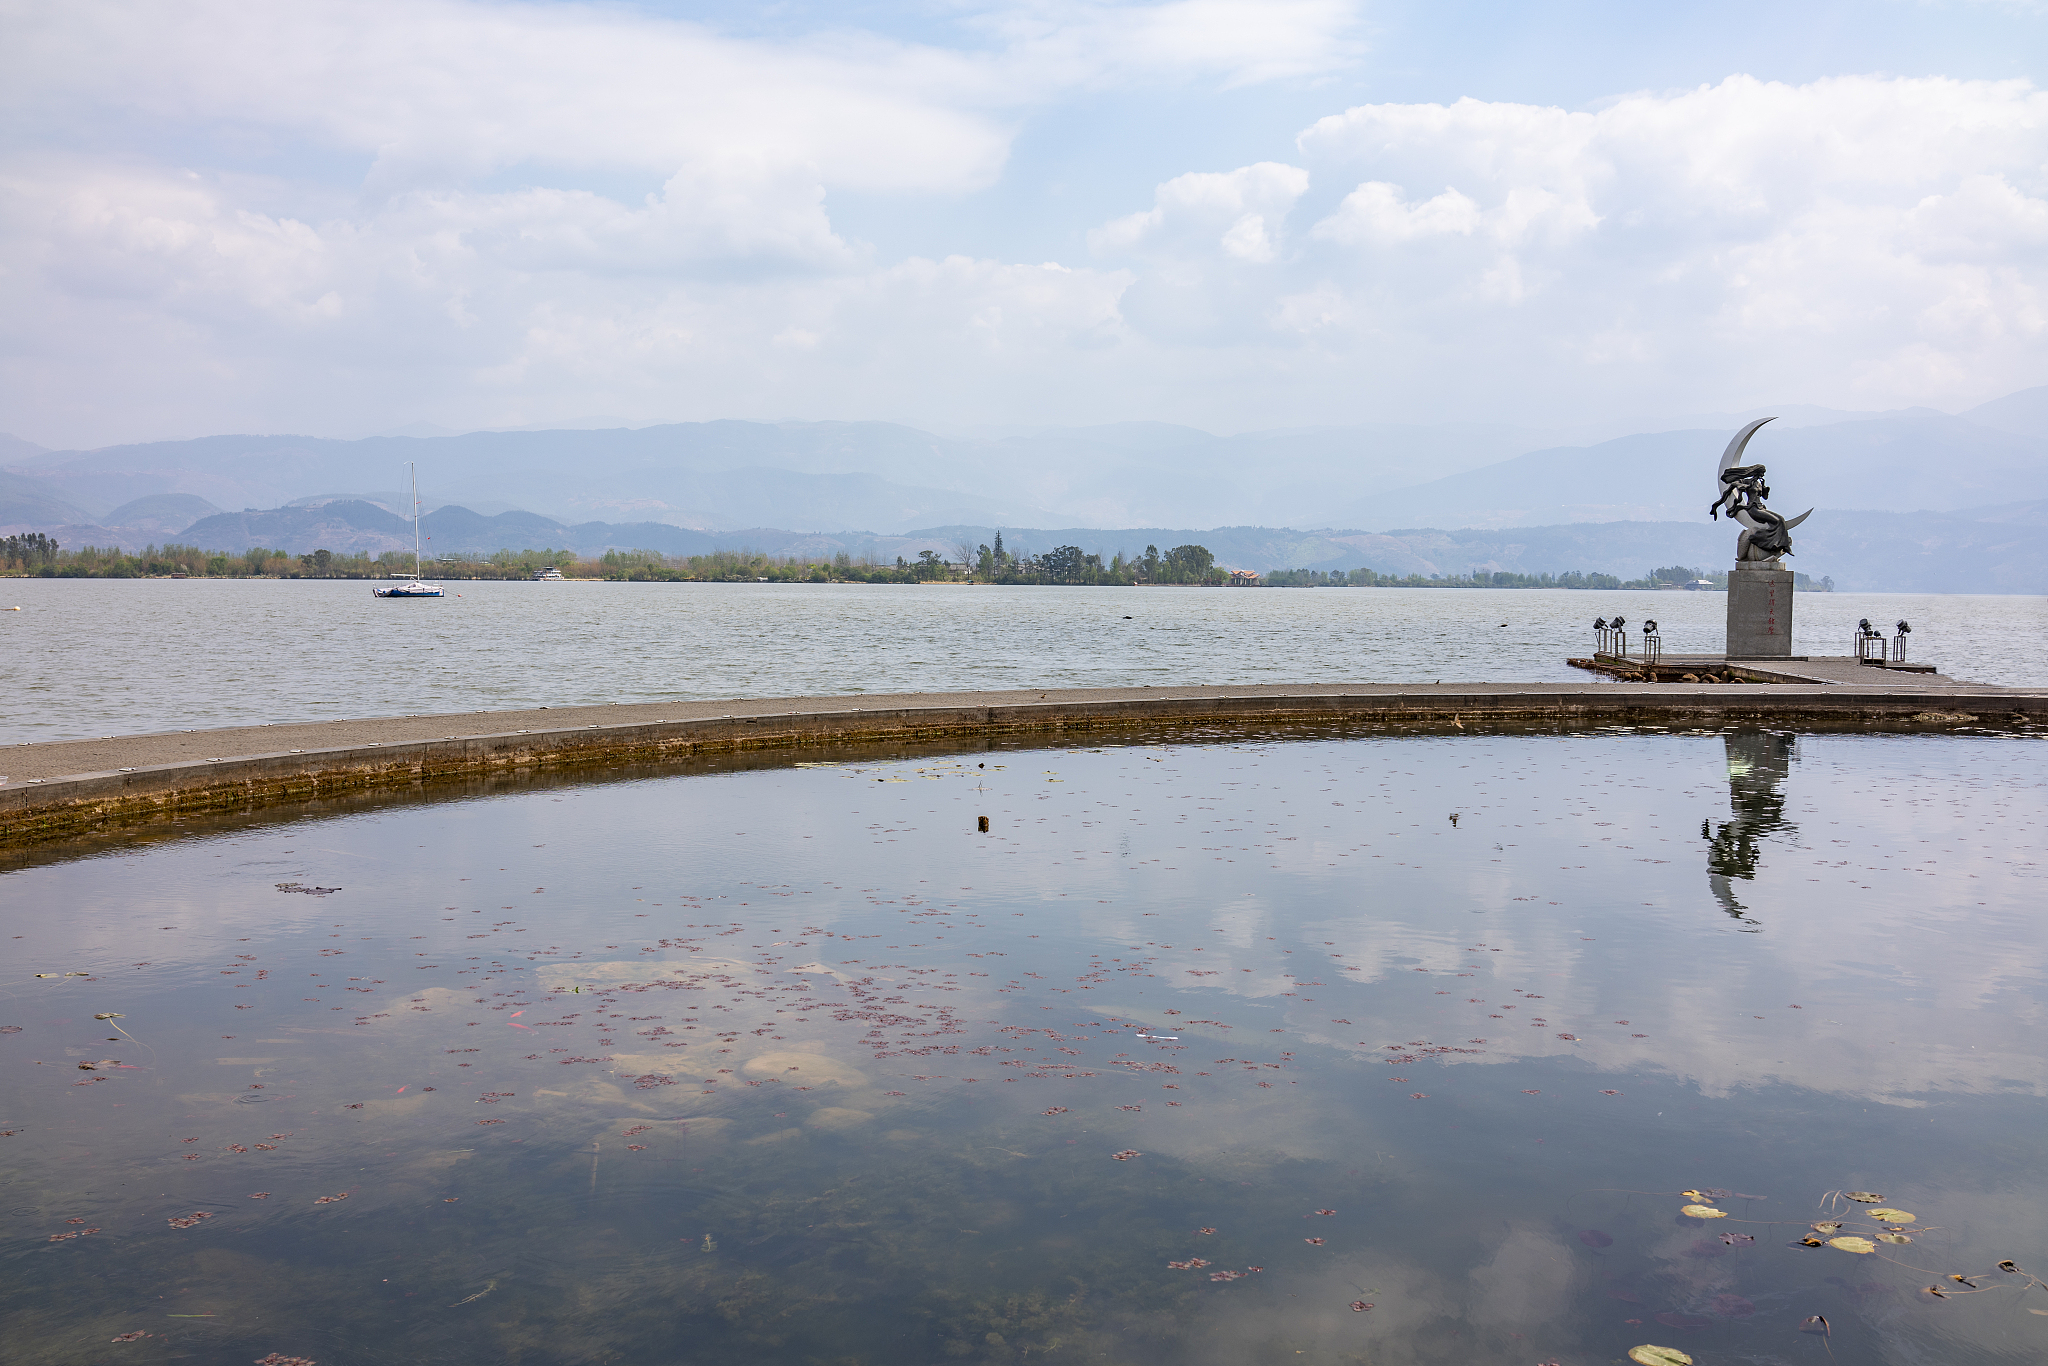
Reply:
x=547, y=573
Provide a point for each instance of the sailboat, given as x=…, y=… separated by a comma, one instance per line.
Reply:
x=414, y=588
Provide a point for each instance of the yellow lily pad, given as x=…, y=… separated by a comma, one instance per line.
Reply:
x=1891, y=1216
x=1703, y=1212
x=1865, y=1197
x=1649, y=1355
x=1852, y=1244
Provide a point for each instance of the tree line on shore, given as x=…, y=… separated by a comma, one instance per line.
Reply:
x=1183, y=565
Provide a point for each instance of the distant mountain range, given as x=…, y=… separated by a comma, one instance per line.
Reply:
x=1995, y=550
x=1913, y=498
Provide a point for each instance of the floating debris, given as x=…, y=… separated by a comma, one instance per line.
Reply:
x=1651, y=1355
x=489, y=1286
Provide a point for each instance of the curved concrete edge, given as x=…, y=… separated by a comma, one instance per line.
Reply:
x=67, y=805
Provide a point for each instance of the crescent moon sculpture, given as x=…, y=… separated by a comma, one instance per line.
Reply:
x=1736, y=447
x=1765, y=535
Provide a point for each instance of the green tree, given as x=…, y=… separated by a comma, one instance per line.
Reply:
x=1186, y=564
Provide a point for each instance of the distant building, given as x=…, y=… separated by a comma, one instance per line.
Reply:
x=1243, y=578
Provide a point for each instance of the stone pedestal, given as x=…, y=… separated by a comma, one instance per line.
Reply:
x=1760, y=611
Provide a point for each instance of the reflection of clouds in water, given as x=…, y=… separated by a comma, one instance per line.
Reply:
x=1918, y=989
x=1526, y=1282
x=1420, y=1314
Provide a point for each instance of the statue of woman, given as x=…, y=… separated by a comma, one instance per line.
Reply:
x=1765, y=535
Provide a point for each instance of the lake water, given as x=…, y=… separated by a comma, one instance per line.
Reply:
x=782, y=1065
x=91, y=657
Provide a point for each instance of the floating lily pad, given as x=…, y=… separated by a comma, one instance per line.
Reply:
x=1863, y=1196
x=1893, y=1238
x=1648, y=1355
x=1827, y=1226
x=1703, y=1212
x=1852, y=1244
x=1892, y=1216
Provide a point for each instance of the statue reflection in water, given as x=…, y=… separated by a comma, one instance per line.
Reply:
x=1758, y=765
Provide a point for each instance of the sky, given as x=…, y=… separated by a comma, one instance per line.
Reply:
x=338, y=218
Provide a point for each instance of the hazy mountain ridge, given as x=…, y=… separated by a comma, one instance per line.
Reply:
x=1921, y=461
x=1930, y=486
x=1995, y=549
x=888, y=478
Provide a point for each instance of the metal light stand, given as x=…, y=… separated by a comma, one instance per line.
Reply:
x=1899, y=643
x=1870, y=643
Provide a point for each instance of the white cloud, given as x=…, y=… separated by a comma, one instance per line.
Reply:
x=1241, y=41
x=344, y=216
x=1231, y=209
x=440, y=90
x=1876, y=241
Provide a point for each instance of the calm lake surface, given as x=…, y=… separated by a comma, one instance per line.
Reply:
x=90, y=657
x=782, y=1065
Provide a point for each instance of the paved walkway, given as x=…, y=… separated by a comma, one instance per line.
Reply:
x=76, y=786
x=123, y=753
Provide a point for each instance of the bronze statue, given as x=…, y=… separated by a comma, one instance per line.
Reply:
x=1765, y=535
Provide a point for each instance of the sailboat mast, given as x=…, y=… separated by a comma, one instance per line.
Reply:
x=415, y=517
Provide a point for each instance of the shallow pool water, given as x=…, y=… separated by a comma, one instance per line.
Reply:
x=1196, y=1050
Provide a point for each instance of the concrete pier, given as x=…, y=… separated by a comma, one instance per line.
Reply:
x=70, y=787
